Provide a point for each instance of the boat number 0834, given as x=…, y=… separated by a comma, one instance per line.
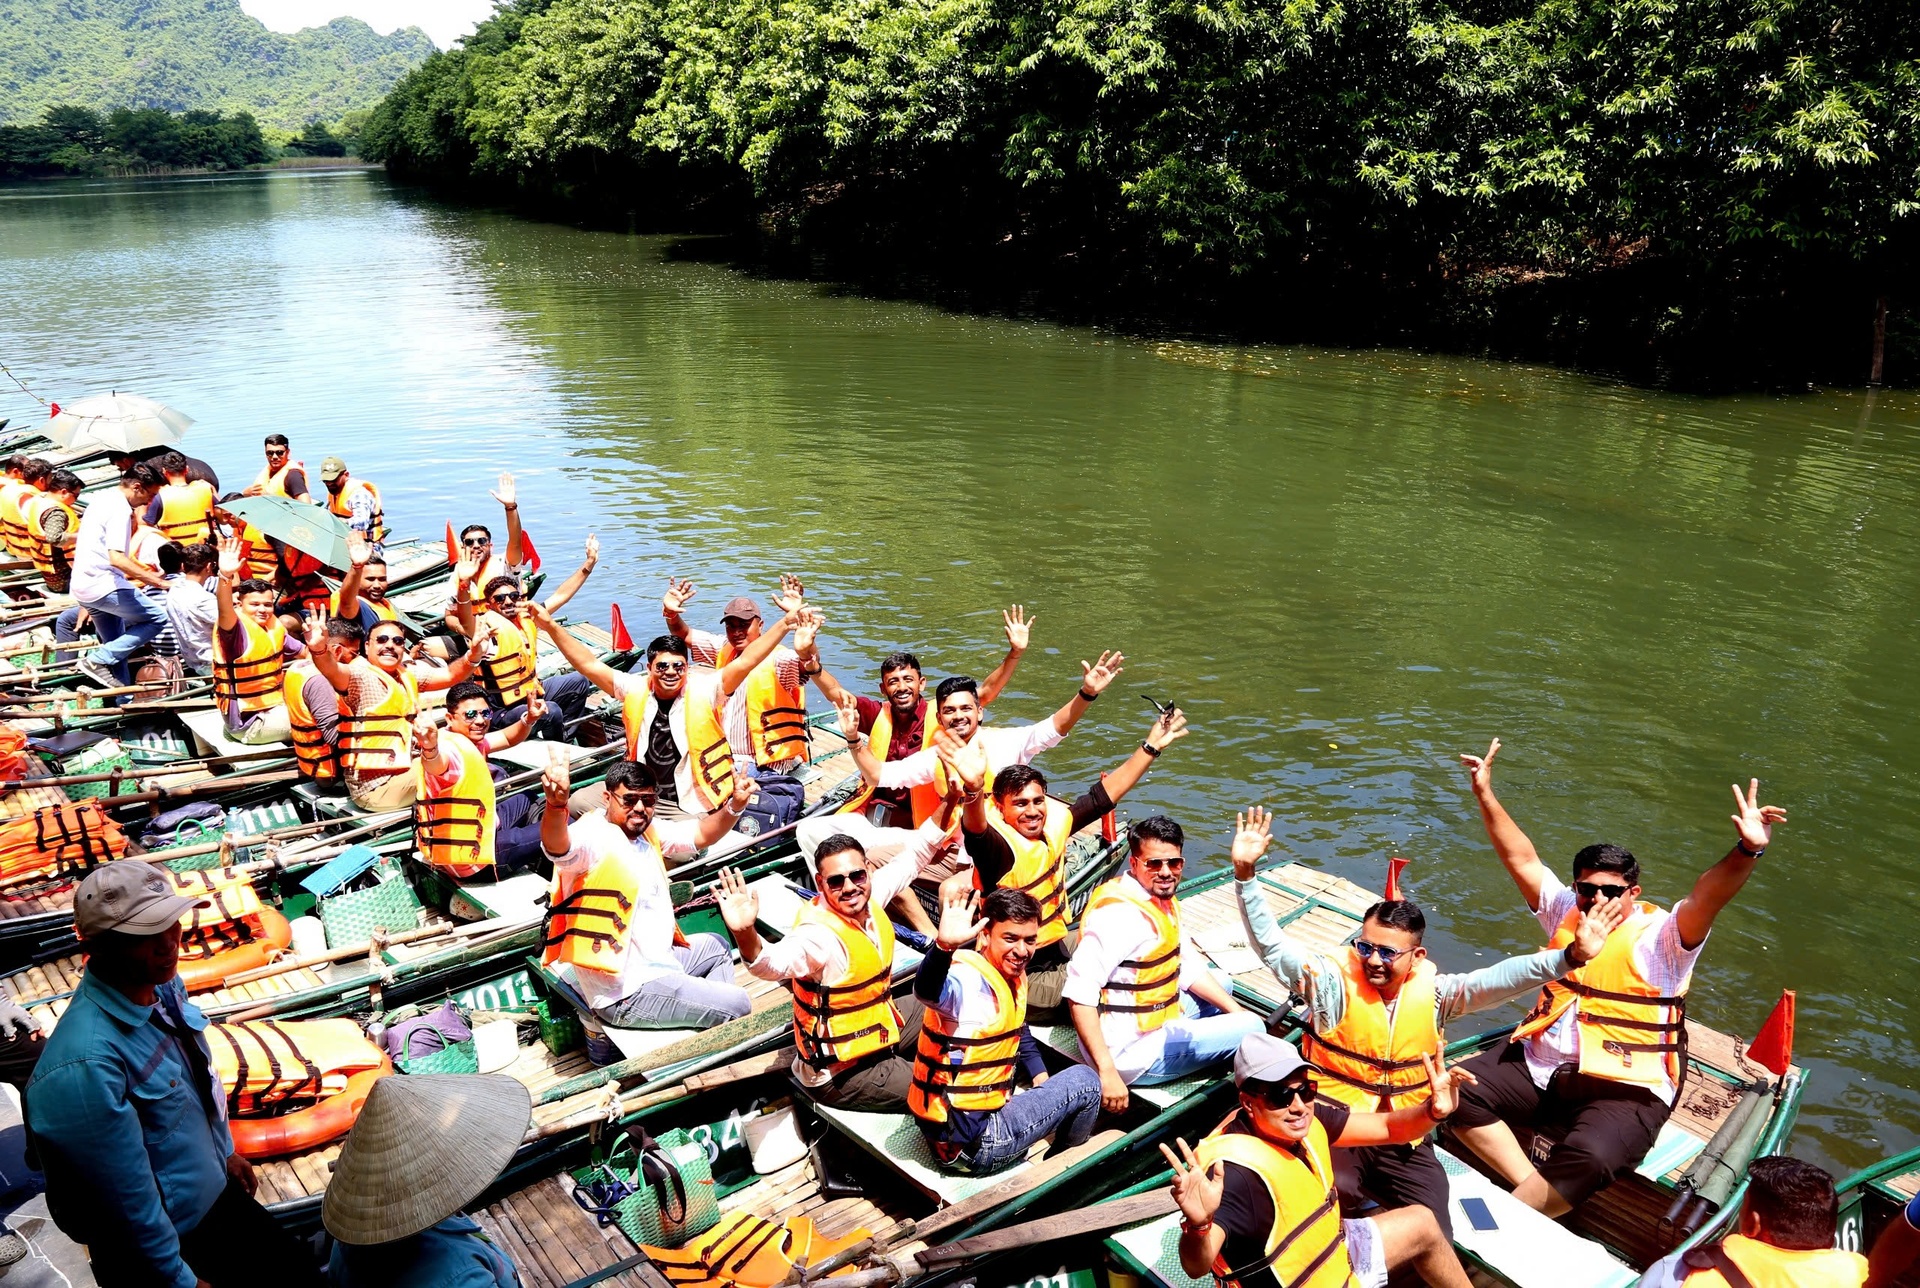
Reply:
x=718, y=1138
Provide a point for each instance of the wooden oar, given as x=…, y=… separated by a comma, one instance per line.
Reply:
x=332, y=955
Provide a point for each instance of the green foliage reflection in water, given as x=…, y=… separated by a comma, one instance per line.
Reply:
x=1438, y=150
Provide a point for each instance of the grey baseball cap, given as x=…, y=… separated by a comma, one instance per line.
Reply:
x=742, y=607
x=1263, y=1057
x=131, y=897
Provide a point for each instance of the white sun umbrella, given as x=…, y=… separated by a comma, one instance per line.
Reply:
x=118, y=422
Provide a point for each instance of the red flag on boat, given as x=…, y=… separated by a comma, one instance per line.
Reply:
x=453, y=546
x=1394, y=867
x=621, y=640
x=53, y=409
x=528, y=555
x=1772, y=1048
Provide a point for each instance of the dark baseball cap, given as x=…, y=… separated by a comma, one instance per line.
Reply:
x=742, y=607
x=132, y=897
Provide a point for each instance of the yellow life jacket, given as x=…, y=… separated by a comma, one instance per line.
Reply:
x=1621, y=1014
x=748, y=1251
x=851, y=1015
x=969, y=1065
x=776, y=712
x=265, y=1062
x=1372, y=1061
x=316, y=756
x=341, y=505
x=382, y=609
x=708, y=753
x=1039, y=867
x=253, y=680
x=926, y=797
x=186, y=510
x=509, y=674
x=455, y=830
x=590, y=923
x=14, y=495
x=380, y=740
x=39, y=545
x=234, y=918
x=1766, y=1266
x=1307, y=1247
x=263, y=563
x=273, y=482
x=1144, y=988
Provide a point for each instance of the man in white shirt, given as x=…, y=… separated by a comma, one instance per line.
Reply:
x=1602, y=1052
x=192, y=609
x=854, y=1043
x=956, y=703
x=104, y=573
x=611, y=924
x=1145, y=1005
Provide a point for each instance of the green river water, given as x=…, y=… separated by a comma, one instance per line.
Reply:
x=1347, y=567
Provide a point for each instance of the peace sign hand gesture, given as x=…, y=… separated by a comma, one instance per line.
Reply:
x=1753, y=820
x=1480, y=768
x=958, y=926
x=557, y=779
x=1196, y=1189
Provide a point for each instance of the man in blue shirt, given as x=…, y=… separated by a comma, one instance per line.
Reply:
x=422, y=1149
x=129, y=1118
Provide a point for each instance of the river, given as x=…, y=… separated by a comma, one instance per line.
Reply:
x=1347, y=567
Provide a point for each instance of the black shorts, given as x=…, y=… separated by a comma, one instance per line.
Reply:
x=1393, y=1176
x=1609, y=1126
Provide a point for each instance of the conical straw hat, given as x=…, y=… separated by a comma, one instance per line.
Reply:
x=422, y=1148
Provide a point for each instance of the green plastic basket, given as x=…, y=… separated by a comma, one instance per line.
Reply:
x=639, y=1215
x=103, y=757
x=461, y=1057
x=560, y=1027
x=390, y=905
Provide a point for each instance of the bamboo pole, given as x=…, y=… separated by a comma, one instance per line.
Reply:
x=157, y=771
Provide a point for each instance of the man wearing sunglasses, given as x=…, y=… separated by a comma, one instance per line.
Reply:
x=509, y=666
x=611, y=923
x=313, y=708
x=477, y=549
x=853, y=1045
x=282, y=476
x=1017, y=836
x=1145, y=1005
x=1375, y=1009
x=1257, y=1201
x=1602, y=1054
x=459, y=822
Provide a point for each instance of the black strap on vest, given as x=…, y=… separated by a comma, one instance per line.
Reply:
x=1713, y=1256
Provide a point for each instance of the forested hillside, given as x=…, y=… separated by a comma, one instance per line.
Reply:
x=1681, y=190
x=182, y=55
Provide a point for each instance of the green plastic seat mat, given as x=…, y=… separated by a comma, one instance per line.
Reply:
x=895, y=1140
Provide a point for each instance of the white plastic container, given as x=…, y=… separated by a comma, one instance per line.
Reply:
x=774, y=1141
x=496, y=1044
x=310, y=940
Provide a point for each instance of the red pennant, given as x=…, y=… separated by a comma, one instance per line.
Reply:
x=1395, y=866
x=528, y=555
x=1109, y=829
x=622, y=642
x=1772, y=1049
x=53, y=409
x=453, y=547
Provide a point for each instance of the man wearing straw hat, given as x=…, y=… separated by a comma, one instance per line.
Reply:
x=129, y=1117
x=422, y=1149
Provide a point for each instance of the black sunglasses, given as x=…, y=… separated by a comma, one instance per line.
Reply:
x=667, y=668
x=634, y=801
x=476, y=541
x=507, y=597
x=1280, y=1095
x=386, y=639
x=471, y=717
x=857, y=877
x=1169, y=865
x=1593, y=890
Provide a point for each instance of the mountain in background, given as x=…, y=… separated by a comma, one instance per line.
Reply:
x=182, y=54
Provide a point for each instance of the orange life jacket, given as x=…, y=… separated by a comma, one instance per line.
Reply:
x=1621, y=1014
x=708, y=755
x=268, y=1063
x=58, y=840
x=39, y=544
x=263, y=562
x=1371, y=1061
x=341, y=506
x=1307, y=1246
x=965, y=1064
x=1764, y=1266
x=852, y=1014
x=776, y=711
x=1039, y=866
x=1145, y=988
x=926, y=797
x=748, y=1251
x=455, y=830
x=315, y=756
x=234, y=918
x=253, y=680
x=185, y=511
x=14, y=495
x=380, y=739
x=273, y=482
x=509, y=674
x=589, y=924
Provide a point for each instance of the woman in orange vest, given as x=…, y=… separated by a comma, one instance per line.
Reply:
x=1620, y=1019
x=1787, y=1225
x=974, y=1045
x=1257, y=1202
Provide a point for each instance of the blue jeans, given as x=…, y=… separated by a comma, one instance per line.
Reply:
x=705, y=995
x=1201, y=1036
x=1064, y=1106
x=124, y=621
x=566, y=697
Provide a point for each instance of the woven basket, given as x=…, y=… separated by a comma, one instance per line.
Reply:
x=390, y=905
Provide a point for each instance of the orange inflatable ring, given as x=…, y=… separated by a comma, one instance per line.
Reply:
x=211, y=972
x=309, y=1128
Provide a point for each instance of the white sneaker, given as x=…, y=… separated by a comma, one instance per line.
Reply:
x=98, y=673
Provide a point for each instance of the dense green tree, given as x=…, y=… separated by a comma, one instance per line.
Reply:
x=74, y=140
x=316, y=140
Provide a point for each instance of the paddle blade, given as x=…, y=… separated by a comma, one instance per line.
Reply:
x=528, y=555
x=453, y=547
x=1395, y=866
x=622, y=641
x=1772, y=1048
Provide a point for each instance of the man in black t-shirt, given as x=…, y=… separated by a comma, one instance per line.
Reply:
x=1258, y=1203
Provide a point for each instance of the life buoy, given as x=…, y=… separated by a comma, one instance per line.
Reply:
x=327, y=1120
x=276, y=933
